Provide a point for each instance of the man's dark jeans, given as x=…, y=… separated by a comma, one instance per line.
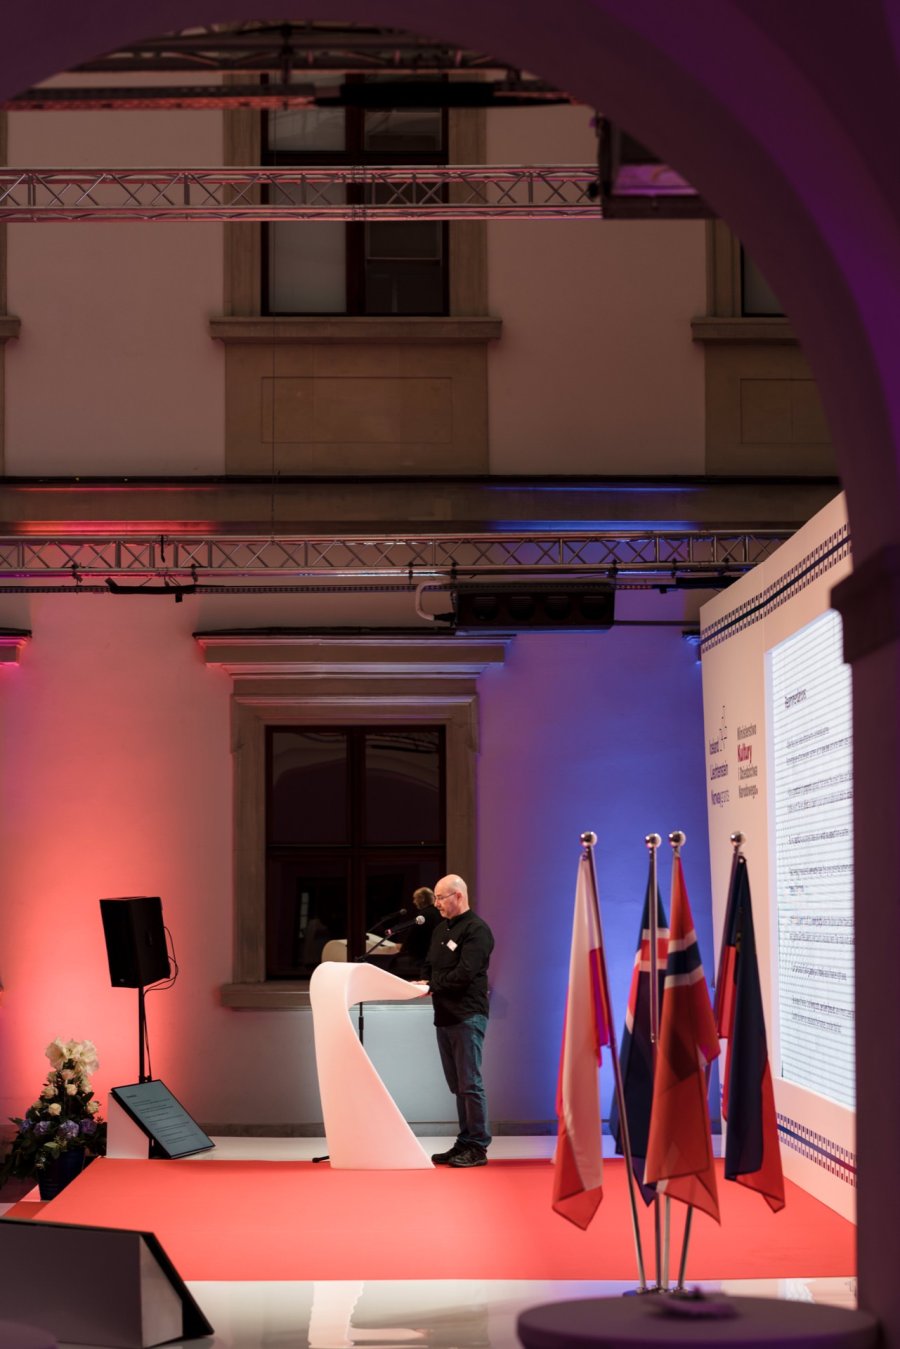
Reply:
x=460, y=1047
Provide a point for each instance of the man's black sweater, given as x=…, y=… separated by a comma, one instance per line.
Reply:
x=456, y=968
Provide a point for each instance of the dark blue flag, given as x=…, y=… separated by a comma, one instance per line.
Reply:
x=636, y=1056
x=752, y=1152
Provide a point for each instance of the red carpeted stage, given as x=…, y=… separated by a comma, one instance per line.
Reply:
x=227, y=1220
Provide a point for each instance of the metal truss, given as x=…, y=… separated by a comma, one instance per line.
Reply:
x=428, y=192
x=651, y=558
x=288, y=53
x=268, y=47
x=278, y=95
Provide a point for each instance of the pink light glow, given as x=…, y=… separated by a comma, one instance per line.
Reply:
x=109, y=737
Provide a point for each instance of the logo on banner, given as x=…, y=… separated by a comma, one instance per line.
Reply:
x=747, y=769
x=719, y=794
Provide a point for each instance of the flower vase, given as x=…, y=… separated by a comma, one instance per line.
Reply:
x=57, y=1174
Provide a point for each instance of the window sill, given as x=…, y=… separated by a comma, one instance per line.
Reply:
x=715, y=329
x=348, y=328
x=287, y=994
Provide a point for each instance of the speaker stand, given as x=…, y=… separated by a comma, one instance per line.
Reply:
x=142, y=1034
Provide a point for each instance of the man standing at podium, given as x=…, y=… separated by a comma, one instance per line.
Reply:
x=456, y=970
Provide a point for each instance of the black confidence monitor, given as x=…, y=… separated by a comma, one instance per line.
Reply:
x=171, y=1130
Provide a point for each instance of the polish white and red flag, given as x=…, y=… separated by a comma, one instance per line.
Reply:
x=578, y=1166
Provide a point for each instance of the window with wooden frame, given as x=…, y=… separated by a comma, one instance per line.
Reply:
x=355, y=822
x=375, y=268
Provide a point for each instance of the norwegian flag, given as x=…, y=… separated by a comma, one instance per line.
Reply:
x=578, y=1166
x=636, y=1055
x=679, y=1149
x=752, y=1152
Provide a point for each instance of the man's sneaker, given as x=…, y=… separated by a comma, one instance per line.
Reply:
x=445, y=1158
x=469, y=1156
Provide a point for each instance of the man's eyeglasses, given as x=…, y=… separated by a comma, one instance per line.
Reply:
x=446, y=896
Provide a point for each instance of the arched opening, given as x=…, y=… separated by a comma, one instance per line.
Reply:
x=794, y=170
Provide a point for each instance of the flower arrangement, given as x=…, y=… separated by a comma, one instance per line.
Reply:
x=64, y=1117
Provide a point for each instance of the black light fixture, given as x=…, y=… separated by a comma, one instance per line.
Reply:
x=176, y=592
x=542, y=605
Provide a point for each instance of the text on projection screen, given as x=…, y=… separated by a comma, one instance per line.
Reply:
x=812, y=761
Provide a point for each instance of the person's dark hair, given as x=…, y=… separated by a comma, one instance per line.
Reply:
x=423, y=897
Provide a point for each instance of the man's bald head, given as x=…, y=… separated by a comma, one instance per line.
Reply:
x=451, y=896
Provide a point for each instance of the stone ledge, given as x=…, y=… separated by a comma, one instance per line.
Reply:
x=712, y=328
x=352, y=329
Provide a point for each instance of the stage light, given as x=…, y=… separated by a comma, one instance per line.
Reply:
x=549, y=605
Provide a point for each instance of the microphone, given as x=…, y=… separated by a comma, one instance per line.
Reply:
x=413, y=922
x=388, y=918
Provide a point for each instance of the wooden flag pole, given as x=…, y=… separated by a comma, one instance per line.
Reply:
x=588, y=843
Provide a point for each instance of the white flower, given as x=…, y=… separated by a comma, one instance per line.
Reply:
x=54, y=1109
x=93, y=1107
x=82, y=1054
x=67, y=1074
x=71, y=1090
x=48, y=1091
x=56, y=1052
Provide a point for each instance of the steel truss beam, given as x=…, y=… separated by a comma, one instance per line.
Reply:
x=515, y=93
x=265, y=48
x=650, y=558
x=286, y=53
x=489, y=192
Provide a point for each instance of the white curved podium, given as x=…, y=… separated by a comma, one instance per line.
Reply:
x=364, y=1128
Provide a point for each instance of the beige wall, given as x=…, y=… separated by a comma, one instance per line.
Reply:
x=596, y=371
x=114, y=371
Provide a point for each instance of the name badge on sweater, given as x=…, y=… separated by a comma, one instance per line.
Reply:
x=451, y=945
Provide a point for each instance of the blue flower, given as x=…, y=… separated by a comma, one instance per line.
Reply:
x=24, y=1126
x=68, y=1129
x=88, y=1126
x=42, y=1126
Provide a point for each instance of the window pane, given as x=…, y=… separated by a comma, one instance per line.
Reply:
x=404, y=130
x=307, y=786
x=403, y=786
x=404, y=288
x=757, y=296
x=389, y=885
x=307, y=907
x=302, y=129
x=404, y=239
x=307, y=272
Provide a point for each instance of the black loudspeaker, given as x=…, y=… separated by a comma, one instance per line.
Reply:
x=135, y=941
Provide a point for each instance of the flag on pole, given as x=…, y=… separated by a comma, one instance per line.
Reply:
x=578, y=1167
x=679, y=1148
x=752, y=1153
x=636, y=1056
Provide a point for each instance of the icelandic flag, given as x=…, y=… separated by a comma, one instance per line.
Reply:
x=636, y=1056
x=752, y=1153
x=578, y=1165
x=679, y=1149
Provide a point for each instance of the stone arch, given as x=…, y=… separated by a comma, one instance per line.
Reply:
x=780, y=119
